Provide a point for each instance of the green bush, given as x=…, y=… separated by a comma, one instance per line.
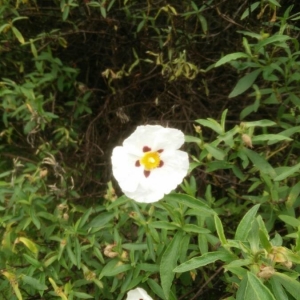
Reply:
x=76, y=79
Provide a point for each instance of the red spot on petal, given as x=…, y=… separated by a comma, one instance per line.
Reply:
x=146, y=173
x=146, y=149
x=137, y=163
x=160, y=150
x=161, y=163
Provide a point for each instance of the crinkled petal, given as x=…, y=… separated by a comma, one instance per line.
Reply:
x=124, y=169
x=171, y=174
x=168, y=139
x=159, y=181
x=145, y=195
x=138, y=294
x=162, y=180
x=154, y=136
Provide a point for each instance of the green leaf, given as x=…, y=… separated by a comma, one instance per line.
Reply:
x=47, y=216
x=191, y=202
x=164, y=225
x=203, y=260
x=261, y=123
x=220, y=230
x=260, y=162
x=275, y=2
x=244, y=83
x=120, y=201
x=251, y=288
x=168, y=262
x=192, y=139
x=290, y=284
x=84, y=218
x=32, y=261
x=250, y=9
x=229, y=57
x=215, y=152
x=271, y=138
x=291, y=171
x=113, y=268
x=65, y=11
x=264, y=240
x=252, y=107
x=273, y=39
x=223, y=119
x=36, y=284
x=18, y=35
x=5, y=27
x=77, y=252
x=82, y=295
x=101, y=220
x=156, y=288
x=212, y=124
x=290, y=220
x=290, y=131
x=71, y=254
x=293, y=195
x=29, y=244
x=245, y=225
x=103, y=11
x=194, y=228
x=278, y=290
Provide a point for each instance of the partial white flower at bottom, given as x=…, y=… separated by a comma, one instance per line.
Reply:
x=138, y=294
x=149, y=164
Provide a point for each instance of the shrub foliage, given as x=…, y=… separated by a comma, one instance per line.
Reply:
x=78, y=76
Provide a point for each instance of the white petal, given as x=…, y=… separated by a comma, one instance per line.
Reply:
x=154, y=136
x=138, y=294
x=144, y=195
x=168, y=139
x=162, y=180
x=124, y=169
x=171, y=174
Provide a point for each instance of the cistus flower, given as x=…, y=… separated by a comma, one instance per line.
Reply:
x=149, y=164
x=138, y=294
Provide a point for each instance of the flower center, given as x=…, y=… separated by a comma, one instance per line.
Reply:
x=150, y=160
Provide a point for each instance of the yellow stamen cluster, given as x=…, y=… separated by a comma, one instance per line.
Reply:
x=150, y=160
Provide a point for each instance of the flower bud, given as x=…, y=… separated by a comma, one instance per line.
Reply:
x=278, y=254
x=65, y=216
x=266, y=272
x=247, y=140
x=124, y=255
x=43, y=172
x=108, y=251
x=197, y=128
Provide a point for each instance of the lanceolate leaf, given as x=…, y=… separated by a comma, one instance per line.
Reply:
x=291, y=171
x=244, y=227
x=220, y=230
x=215, y=152
x=290, y=284
x=278, y=290
x=204, y=260
x=260, y=162
x=261, y=123
x=271, y=138
x=191, y=202
x=244, y=83
x=168, y=262
x=229, y=57
x=251, y=288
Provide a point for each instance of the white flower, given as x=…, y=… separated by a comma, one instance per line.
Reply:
x=149, y=165
x=138, y=294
